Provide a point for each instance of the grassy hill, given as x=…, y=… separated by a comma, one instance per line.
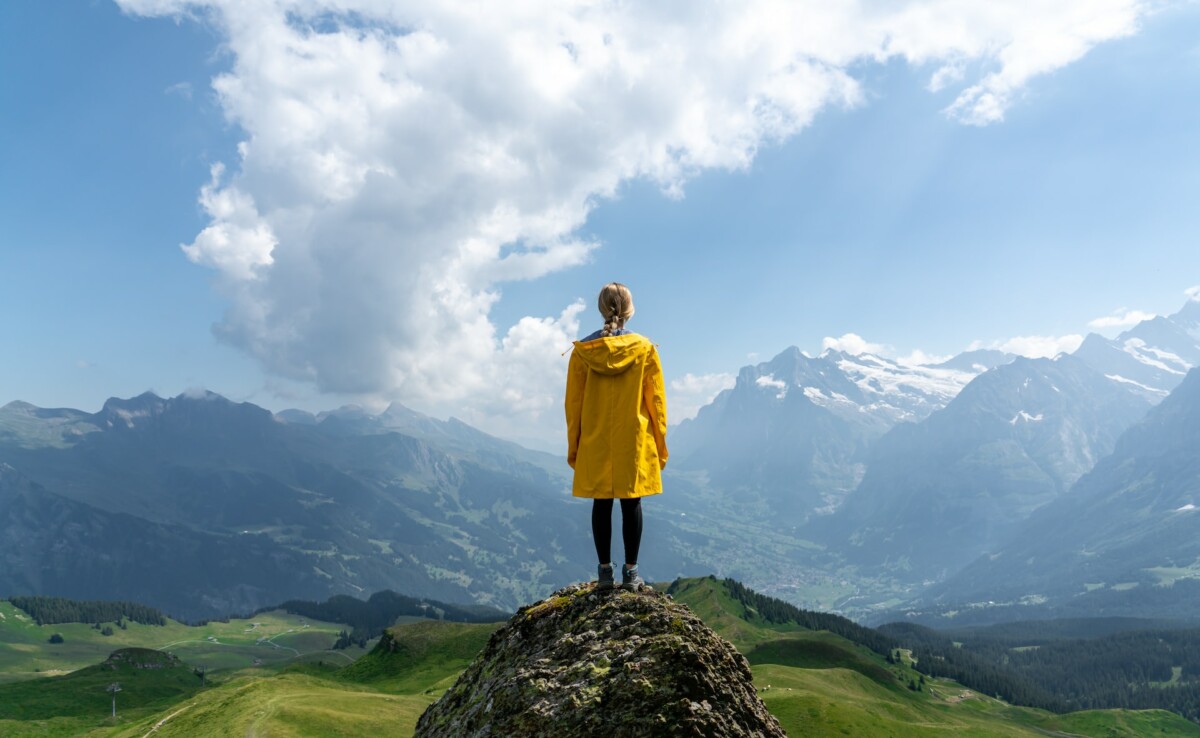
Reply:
x=289, y=705
x=419, y=657
x=816, y=682
x=821, y=684
x=270, y=638
x=65, y=705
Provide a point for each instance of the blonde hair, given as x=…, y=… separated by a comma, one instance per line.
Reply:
x=616, y=306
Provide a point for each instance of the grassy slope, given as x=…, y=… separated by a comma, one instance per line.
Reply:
x=25, y=652
x=819, y=684
x=289, y=705
x=420, y=657
x=76, y=702
x=816, y=683
x=383, y=693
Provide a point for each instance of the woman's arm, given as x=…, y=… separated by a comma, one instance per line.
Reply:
x=655, y=395
x=576, y=380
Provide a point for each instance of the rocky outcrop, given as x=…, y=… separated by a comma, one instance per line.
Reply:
x=142, y=658
x=591, y=663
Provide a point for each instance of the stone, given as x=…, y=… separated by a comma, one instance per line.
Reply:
x=614, y=663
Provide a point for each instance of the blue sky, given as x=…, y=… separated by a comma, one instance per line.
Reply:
x=884, y=216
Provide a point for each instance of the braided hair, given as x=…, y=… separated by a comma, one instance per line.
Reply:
x=616, y=307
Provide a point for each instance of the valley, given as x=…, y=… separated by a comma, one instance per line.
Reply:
x=987, y=489
x=816, y=682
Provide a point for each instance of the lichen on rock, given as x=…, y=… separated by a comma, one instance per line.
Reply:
x=612, y=663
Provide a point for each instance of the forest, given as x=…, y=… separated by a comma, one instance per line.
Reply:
x=53, y=610
x=1046, y=666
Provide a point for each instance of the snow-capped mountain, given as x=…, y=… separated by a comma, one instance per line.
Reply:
x=1123, y=541
x=793, y=431
x=883, y=391
x=1153, y=356
x=864, y=389
x=941, y=492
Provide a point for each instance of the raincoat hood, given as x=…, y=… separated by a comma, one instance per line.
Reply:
x=614, y=354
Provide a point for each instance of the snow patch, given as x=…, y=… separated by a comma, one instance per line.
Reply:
x=1025, y=417
x=1156, y=358
x=882, y=377
x=1139, y=385
x=823, y=397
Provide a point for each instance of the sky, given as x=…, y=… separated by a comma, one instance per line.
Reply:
x=307, y=203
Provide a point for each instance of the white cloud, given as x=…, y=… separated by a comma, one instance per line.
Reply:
x=401, y=161
x=1120, y=318
x=769, y=381
x=1045, y=37
x=687, y=394
x=1193, y=293
x=919, y=358
x=1039, y=346
x=239, y=240
x=853, y=344
x=183, y=89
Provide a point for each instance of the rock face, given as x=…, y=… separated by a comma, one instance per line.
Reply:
x=590, y=663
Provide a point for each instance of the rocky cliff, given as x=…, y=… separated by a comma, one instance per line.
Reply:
x=589, y=663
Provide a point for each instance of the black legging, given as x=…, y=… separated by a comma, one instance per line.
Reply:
x=631, y=528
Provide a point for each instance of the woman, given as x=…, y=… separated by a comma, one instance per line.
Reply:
x=616, y=429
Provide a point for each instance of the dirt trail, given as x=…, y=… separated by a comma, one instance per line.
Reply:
x=162, y=722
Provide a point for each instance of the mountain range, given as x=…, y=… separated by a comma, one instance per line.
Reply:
x=852, y=482
x=203, y=507
x=940, y=493
x=897, y=478
x=1124, y=540
x=794, y=431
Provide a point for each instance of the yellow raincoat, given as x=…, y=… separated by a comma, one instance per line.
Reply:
x=616, y=417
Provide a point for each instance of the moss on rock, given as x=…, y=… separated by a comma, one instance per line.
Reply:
x=607, y=663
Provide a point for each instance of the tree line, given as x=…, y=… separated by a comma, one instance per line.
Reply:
x=935, y=655
x=52, y=610
x=1133, y=670
x=1061, y=666
x=777, y=612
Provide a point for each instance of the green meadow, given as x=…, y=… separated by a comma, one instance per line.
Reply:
x=817, y=684
x=268, y=639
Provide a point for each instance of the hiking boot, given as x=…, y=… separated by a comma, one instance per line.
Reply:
x=630, y=579
x=604, y=574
